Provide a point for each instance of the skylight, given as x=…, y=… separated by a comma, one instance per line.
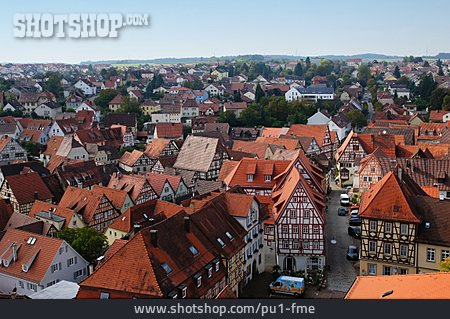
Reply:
x=193, y=250
x=166, y=268
x=220, y=241
x=229, y=235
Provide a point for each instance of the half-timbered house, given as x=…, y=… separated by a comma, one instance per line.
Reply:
x=136, y=162
x=136, y=186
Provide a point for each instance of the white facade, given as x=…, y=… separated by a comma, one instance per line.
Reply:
x=166, y=117
x=69, y=265
x=45, y=111
x=87, y=89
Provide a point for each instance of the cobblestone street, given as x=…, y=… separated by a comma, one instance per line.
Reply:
x=342, y=272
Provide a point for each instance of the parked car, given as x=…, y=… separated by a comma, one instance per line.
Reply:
x=354, y=231
x=352, y=253
x=288, y=285
x=353, y=214
x=354, y=221
x=345, y=200
x=342, y=211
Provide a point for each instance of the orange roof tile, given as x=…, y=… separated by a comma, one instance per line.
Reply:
x=414, y=286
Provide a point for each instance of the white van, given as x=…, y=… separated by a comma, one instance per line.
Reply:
x=345, y=200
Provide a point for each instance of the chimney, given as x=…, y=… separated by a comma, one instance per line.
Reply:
x=14, y=251
x=400, y=173
x=187, y=224
x=154, y=237
x=49, y=213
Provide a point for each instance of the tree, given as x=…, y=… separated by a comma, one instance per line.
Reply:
x=446, y=103
x=88, y=242
x=308, y=63
x=70, y=110
x=377, y=106
x=363, y=74
x=195, y=85
x=357, y=118
x=437, y=98
x=103, y=99
x=237, y=96
x=155, y=83
x=4, y=85
x=228, y=117
x=32, y=148
x=259, y=93
x=444, y=266
x=53, y=83
x=426, y=87
x=397, y=72
x=129, y=106
x=298, y=70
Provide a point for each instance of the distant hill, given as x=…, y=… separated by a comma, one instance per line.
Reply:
x=259, y=57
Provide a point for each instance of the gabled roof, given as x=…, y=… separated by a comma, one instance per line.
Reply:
x=252, y=147
x=45, y=207
x=288, y=143
x=316, y=131
x=28, y=187
x=390, y=199
x=132, y=184
x=130, y=159
x=197, y=153
x=238, y=176
x=40, y=254
x=155, y=148
x=143, y=213
x=169, y=130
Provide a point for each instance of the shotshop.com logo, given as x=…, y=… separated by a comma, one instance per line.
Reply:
x=75, y=25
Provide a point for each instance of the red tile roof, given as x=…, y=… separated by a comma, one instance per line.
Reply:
x=28, y=187
x=44, y=250
x=169, y=130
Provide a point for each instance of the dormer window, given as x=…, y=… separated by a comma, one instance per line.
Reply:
x=198, y=280
x=267, y=178
x=166, y=268
x=183, y=290
x=216, y=265
x=249, y=177
x=230, y=237
x=209, y=270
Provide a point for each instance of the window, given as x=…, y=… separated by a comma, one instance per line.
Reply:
x=285, y=244
x=249, y=177
x=316, y=229
x=372, y=269
x=295, y=229
x=193, y=250
x=267, y=178
x=445, y=254
x=21, y=285
x=285, y=229
x=71, y=261
x=372, y=246
x=306, y=213
x=373, y=225
x=230, y=237
x=199, y=281
x=403, y=250
x=404, y=229
x=431, y=255
x=403, y=271
x=387, y=270
x=292, y=213
x=387, y=248
x=183, y=292
x=316, y=245
x=305, y=245
x=54, y=268
x=77, y=273
x=388, y=228
x=305, y=229
x=104, y=295
x=295, y=244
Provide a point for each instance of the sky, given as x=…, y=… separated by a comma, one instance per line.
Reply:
x=182, y=28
